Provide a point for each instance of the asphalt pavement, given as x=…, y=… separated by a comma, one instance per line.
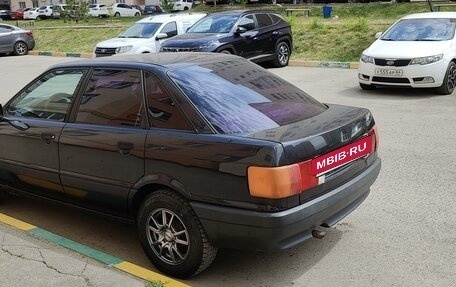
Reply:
x=404, y=234
x=26, y=260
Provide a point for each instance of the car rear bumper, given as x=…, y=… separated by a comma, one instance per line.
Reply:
x=243, y=229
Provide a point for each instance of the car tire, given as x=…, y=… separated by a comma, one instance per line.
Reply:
x=172, y=235
x=137, y=14
x=117, y=14
x=20, y=48
x=225, y=51
x=185, y=8
x=282, y=54
x=449, y=82
x=366, y=86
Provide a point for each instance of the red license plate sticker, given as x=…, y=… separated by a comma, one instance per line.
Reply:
x=342, y=156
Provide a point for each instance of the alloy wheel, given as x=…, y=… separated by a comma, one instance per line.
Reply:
x=168, y=236
x=451, y=81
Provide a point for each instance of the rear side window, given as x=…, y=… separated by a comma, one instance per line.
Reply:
x=5, y=29
x=161, y=108
x=263, y=20
x=238, y=97
x=113, y=98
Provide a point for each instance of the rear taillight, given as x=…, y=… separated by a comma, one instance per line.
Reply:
x=375, y=141
x=280, y=182
x=30, y=33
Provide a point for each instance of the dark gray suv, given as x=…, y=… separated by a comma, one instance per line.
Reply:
x=256, y=35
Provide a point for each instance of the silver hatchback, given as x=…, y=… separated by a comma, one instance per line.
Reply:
x=15, y=40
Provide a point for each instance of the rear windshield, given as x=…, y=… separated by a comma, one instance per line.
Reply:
x=239, y=97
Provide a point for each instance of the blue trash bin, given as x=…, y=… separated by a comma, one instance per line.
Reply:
x=327, y=11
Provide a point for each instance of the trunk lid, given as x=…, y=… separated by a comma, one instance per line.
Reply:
x=321, y=136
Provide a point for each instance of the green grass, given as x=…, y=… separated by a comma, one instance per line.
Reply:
x=340, y=38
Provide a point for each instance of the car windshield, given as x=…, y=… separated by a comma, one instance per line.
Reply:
x=427, y=29
x=215, y=24
x=141, y=30
x=239, y=97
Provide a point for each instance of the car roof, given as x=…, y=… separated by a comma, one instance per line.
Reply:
x=428, y=15
x=166, y=61
x=240, y=12
x=166, y=17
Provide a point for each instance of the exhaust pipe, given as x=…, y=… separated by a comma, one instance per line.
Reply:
x=318, y=234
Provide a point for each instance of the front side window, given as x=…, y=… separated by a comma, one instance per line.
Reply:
x=47, y=98
x=247, y=23
x=170, y=29
x=113, y=98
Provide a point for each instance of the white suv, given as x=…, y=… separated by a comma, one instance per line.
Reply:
x=45, y=12
x=146, y=35
x=124, y=10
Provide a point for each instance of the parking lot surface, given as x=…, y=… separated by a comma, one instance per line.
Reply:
x=404, y=234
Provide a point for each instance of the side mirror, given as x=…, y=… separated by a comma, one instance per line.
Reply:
x=240, y=30
x=161, y=36
x=378, y=35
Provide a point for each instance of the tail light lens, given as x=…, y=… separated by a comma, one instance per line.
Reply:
x=30, y=33
x=280, y=182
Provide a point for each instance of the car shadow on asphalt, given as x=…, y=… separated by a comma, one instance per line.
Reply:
x=281, y=268
x=391, y=93
x=120, y=240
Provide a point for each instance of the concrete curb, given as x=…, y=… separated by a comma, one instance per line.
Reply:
x=85, y=250
x=295, y=63
x=60, y=54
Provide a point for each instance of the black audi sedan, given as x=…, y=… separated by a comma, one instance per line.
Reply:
x=257, y=35
x=201, y=151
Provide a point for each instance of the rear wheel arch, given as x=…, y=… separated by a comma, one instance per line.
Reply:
x=147, y=187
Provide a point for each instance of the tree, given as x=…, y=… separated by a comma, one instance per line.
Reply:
x=167, y=5
x=76, y=10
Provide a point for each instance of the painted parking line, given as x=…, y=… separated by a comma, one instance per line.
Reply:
x=100, y=256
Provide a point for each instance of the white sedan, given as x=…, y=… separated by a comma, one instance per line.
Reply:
x=417, y=51
x=124, y=10
x=31, y=14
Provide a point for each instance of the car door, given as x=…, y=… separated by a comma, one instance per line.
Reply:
x=102, y=149
x=29, y=158
x=244, y=43
x=265, y=38
x=6, y=38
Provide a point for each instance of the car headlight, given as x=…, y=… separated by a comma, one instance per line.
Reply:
x=426, y=60
x=123, y=49
x=367, y=59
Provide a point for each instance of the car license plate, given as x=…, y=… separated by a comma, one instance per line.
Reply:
x=341, y=156
x=388, y=72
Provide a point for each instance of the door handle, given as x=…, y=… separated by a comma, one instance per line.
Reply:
x=47, y=137
x=125, y=147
